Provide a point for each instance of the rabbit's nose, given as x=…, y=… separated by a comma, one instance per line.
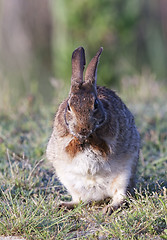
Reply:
x=84, y=134
x=84, y=131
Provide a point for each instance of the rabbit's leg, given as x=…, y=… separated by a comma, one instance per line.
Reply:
x=117, y=201
x=75, y=199
x=117, y=192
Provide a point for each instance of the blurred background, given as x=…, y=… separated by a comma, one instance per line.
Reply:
x=37, y=39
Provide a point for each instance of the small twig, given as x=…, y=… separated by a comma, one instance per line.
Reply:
x=8, y=157
x=142, y=158
x=142, y=229
x=34, y=168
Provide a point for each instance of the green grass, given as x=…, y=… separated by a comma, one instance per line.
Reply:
x=30, y=192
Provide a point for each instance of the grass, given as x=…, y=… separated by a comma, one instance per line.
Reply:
x=30, y=192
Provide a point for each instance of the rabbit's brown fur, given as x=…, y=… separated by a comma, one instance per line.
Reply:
x=94, y=145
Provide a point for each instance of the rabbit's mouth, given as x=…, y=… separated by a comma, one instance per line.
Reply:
x=84, y=134
x=83, y=137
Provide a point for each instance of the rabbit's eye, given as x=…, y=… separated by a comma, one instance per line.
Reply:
x=96, y=105
x=68, y=107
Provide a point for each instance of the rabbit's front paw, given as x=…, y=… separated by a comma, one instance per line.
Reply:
x=68, y=205
x=109, y=209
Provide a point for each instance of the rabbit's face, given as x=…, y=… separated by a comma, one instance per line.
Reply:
x=84, y=112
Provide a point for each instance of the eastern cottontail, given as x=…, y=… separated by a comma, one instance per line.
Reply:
x=94, y=145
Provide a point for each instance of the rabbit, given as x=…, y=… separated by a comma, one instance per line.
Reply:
x=95, y=144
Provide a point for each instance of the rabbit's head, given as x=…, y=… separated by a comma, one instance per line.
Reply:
x=84, y=112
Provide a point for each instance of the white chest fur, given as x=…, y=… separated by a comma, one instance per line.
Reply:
x=88, y=175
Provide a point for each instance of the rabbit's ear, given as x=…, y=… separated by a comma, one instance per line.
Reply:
x=91, y=71
x=78, y=63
